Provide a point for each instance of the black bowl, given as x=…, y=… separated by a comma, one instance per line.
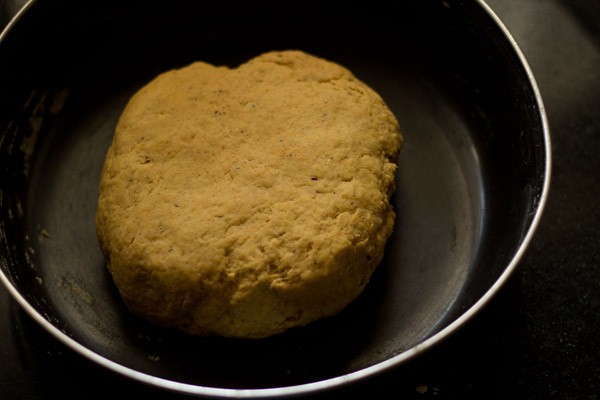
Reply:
x=473, y=176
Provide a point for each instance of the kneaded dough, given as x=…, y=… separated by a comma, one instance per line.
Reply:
x=243, y=202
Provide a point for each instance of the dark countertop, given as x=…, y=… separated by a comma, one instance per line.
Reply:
x=538, y=338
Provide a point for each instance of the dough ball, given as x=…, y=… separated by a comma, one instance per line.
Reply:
x=243, y=202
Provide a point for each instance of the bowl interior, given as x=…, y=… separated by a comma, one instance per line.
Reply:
x=469, y=181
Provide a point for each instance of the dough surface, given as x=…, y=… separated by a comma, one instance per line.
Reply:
x=243, y=202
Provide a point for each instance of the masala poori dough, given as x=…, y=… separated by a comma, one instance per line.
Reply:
x=243, y=202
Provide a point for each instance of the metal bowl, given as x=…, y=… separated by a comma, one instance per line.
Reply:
x=472, y=179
